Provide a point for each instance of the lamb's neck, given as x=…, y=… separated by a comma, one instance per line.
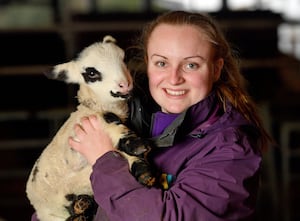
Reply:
x=86, y=97
x=119, y=108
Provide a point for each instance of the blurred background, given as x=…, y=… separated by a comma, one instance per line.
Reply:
x=35, y=34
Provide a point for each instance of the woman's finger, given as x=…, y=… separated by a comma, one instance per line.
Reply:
x=79, y=130
x=73, y=143
x=95, y=122
x=86, y=124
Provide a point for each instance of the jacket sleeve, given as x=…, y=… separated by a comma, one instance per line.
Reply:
x=220, y=185
x=34, y=217
x=118, y=193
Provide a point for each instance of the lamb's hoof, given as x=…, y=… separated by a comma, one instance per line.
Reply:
x=82, y=208
x=147, y=179
x=143, y=173
x=78, y=218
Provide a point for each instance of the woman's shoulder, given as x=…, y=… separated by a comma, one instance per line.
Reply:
x=232, y=127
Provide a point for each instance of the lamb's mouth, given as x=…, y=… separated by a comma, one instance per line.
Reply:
x=119, y=94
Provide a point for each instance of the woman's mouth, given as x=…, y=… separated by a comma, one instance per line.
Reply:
x=175, y=92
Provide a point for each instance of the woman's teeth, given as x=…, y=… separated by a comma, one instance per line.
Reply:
x=175, y=93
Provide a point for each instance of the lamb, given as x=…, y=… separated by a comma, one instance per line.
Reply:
x=58, y=186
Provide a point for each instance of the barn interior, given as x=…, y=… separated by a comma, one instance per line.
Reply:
x=36, y=34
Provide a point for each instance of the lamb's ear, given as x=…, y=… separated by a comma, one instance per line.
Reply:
x=61, y=72
x=109, y=39
x=52, y=74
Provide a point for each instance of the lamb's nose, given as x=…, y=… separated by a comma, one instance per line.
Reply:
x=125, y=87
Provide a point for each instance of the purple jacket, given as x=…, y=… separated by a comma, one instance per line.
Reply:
x=215, y=162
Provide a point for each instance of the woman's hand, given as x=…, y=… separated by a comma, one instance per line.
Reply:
x=90, y=139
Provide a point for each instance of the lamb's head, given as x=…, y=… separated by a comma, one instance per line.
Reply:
x=100, y=72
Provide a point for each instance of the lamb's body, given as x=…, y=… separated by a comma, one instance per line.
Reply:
x=64, y=172
x=61, y=172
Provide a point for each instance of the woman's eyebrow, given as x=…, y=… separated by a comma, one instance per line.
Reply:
x=157, y=55
x=195, y=56
x=189, y=57
x=186, y=58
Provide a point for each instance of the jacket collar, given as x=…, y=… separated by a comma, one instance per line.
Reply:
x=168, y=136
x=192, y=121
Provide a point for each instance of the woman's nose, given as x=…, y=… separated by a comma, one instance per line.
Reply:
x=175, y=76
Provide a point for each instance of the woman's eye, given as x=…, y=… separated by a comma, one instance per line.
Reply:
x=160, y=64
x=190, y=67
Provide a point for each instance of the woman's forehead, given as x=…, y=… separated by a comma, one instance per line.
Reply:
x=185, y=40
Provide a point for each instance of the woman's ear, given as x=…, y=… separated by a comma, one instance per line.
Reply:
x=218, y=66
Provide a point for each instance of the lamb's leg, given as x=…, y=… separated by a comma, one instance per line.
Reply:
x=136, y=150
x=133, y=145
x=129, y=142
x=139, y=166
x=143, y=172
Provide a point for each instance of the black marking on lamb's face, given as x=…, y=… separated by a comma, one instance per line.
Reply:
x=110, y=117
x=62, y=76
x=91, y=75
x=119, y=94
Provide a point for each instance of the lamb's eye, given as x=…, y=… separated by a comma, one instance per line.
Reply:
x=91, y=75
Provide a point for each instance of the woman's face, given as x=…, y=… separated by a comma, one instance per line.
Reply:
x=180, y=67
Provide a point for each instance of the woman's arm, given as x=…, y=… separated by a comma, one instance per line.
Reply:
x=221, y=187
x=196, y=195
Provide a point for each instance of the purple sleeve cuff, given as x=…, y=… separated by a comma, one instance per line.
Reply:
x=34, y=217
